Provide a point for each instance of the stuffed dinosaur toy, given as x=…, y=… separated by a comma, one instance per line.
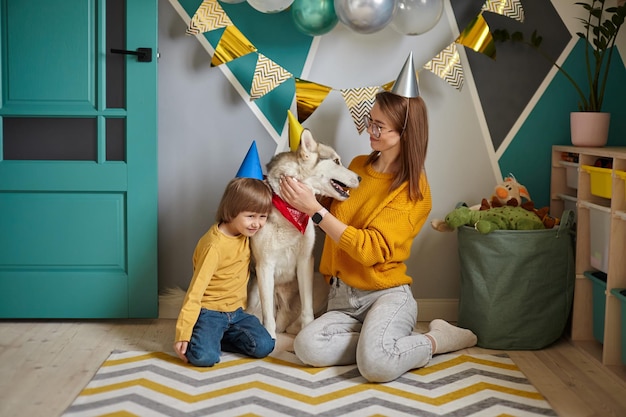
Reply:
x=486, y=221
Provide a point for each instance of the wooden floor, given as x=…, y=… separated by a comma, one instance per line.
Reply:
x=45, y=364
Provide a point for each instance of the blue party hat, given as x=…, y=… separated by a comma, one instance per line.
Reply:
x=251, y=165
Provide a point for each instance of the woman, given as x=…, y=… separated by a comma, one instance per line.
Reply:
x=371, y=310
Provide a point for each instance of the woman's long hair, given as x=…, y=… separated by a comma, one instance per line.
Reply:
x=413, y=138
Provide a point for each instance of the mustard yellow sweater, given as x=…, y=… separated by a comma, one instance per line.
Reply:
x=221, y=270
x=382, y=226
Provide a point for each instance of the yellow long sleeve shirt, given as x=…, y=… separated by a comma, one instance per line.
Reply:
x=382, y=226
x=221, y=270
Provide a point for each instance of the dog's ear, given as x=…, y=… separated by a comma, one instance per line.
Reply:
x=307, y=146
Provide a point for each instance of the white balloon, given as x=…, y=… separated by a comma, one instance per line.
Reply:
x=414, y=17
x=270, y=6
x=365, y=16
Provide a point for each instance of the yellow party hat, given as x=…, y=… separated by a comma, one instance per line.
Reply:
x=295, y=130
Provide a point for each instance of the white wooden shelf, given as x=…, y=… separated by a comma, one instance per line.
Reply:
x=564, y=191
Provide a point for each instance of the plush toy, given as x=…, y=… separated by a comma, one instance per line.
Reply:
x=509, y=193
x=486, y=221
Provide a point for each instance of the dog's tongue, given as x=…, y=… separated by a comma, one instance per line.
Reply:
x=299, y=219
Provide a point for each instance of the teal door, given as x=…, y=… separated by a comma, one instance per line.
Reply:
x=78, y=159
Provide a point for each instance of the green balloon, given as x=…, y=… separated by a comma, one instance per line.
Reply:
x=314, y=17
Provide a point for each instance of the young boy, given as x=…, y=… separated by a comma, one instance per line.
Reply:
x=212, y=317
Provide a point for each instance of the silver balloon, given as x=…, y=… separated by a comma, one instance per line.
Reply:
x=365, y=16
x=232, y=1
x=270, y=6
x=414, y=17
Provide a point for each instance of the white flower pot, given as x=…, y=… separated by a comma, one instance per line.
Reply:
x=589, y=128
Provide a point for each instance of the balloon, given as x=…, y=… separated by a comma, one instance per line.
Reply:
x=414, y=17
x=365, y=16
x=270, y=6
x=232, y=1
x=314, y=17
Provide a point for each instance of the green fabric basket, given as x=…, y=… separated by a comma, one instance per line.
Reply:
x=517, y=286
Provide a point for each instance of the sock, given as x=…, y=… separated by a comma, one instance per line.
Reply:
x=449, y=338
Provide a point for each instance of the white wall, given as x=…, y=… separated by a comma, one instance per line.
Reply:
x=202, y=118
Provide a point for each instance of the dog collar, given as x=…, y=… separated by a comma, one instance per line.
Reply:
x=299, y=219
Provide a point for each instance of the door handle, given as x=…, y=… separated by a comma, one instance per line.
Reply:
x=142, y=54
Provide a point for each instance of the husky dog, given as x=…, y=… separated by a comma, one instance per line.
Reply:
x=283, y=253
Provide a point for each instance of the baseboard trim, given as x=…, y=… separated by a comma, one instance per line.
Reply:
x=429, y=309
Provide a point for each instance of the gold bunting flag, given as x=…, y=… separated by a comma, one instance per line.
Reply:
x=508, y=8
x=267, y=76
x=477, y=36
x=232, y=45
x=309, y=96
x=208, y=17
x=359, y=101
x=447, y=66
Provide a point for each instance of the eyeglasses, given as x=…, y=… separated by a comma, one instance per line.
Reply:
x=376, y=129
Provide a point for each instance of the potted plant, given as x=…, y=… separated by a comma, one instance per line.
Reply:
x=600, y=27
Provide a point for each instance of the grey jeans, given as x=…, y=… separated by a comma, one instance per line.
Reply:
x=374, y=329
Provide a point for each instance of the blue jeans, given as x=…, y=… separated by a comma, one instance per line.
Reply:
x=237, y=332
x=373, y=329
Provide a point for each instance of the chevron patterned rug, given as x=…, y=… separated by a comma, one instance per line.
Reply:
x=159, y=384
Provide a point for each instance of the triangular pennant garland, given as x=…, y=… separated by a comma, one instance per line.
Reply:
x=267, y=76
x=508, y=8
x=208, y=17
x=309, y=96
x=447, y=66
x=232, y=45
x=359, y=101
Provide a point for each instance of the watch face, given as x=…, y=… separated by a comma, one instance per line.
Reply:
x=317, y=218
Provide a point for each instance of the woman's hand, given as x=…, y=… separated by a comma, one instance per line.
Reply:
x=299, y=196
x=181, y=348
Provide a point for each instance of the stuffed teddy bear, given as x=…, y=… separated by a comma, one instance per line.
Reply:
x=486, y=221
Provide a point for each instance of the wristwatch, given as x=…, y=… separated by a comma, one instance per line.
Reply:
x=317, y=217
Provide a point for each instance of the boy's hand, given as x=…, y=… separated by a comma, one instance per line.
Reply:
x=181, y=348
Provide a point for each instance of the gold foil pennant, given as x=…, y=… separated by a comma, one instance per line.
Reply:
x=477, y=36
x=232, y=45
x=209, y=16
x=360, y=102
x=309, y=96
x=447, y=66
x=508, y=8
x=267, y=76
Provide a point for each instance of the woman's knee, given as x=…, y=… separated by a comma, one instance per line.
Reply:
x=377, y=372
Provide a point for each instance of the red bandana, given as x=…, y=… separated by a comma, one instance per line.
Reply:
x=297, y=218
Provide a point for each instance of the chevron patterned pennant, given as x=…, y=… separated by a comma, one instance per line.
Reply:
x=159, y=384
x=447, y=66
x=360, y=102
x=508, y=8
x=267, y=76
x=208, y=17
